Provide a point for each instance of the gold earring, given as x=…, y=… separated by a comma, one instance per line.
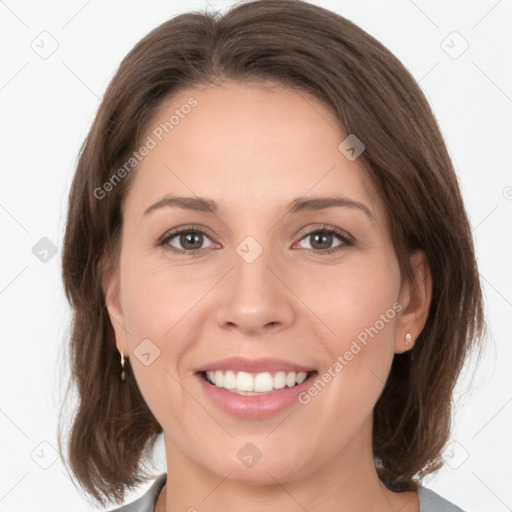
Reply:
x=123, y=374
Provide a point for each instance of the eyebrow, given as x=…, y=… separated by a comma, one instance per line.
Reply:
x=297, y=205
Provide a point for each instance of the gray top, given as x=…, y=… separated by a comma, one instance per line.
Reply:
x=429, y=500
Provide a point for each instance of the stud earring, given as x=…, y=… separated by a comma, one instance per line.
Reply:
x=408, y=340
x=123, y=374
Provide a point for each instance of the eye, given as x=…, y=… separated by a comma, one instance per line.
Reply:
x=185, y=241
x=321, y=240
x=189, y=241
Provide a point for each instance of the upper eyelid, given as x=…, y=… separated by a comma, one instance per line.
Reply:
x=184, y=229
x=325, y=227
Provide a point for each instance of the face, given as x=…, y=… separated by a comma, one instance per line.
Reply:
x=250, y=267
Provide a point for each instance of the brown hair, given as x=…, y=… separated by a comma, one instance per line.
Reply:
x=318, y=52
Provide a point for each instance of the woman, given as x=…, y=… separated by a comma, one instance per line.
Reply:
x=270, y=263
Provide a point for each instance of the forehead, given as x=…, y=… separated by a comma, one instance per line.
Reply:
x=248, y=146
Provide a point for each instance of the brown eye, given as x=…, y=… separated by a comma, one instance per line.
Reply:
x=191, y=240
x=186, y=241
x=322, y=240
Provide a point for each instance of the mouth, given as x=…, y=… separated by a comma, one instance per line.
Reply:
x=255, y=384
x=254, y=388
x=254, y=396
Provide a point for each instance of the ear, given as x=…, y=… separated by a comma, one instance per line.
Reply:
x=415, y=299
x=111, y=290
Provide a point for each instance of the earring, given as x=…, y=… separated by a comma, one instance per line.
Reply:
x=409, y=344
x=123, y=374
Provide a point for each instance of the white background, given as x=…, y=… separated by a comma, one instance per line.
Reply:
x=47, y=106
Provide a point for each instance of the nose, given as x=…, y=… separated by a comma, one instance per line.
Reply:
x=255, y=298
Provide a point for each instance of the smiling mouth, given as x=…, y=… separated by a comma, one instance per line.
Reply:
x=255, y=384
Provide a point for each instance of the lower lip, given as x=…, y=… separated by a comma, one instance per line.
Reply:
x=254, y=407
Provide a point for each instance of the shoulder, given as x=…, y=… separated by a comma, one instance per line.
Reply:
x=147, y=502
x=432, y=502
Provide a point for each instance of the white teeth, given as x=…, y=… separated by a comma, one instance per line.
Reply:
x=229, y=380
x=263, y=382
x=246, y=383
x=301, y=377
x=219, y=377
x=279, y=380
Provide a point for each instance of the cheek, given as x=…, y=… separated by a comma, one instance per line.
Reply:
x=353, y=298
x=157, y=298
x=155, y=303
x=365, y=316
x=360, y=306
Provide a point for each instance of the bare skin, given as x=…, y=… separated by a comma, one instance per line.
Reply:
x=253, y=149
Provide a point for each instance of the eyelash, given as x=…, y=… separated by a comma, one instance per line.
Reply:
x=346, y=240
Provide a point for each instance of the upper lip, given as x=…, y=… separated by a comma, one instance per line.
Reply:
x=244, y=364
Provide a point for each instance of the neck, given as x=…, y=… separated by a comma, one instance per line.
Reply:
x=347, y=482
